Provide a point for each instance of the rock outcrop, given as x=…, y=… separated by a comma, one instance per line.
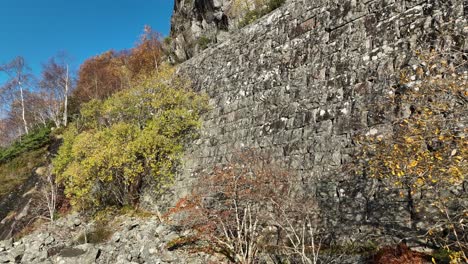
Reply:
x=197, y=24
x=297, y=85
x=196, y=21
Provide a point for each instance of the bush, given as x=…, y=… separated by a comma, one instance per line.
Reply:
x=427, y=151
x=122, y=142
x=36, y=139
x=203, y=42
x=248, y=207
x=252, y=11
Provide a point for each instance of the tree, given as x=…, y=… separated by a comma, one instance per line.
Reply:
x=146, y=56
x=100, y=76
x=56, y=82
x=19, y=77
x=133, y=136
x=10, y=130
x=251, y=206
x=427, y=150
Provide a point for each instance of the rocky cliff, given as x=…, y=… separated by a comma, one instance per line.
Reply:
x=197, y=24
x=194, y=20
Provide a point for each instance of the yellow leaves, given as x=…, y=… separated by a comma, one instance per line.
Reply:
x=438, y=156
x=134, y=134
x=413, y=163
x=427, y=149
x=420, y=182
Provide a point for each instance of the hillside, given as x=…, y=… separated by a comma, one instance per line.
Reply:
x=283, y=132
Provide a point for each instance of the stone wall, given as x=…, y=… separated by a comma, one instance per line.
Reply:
x=303, y=80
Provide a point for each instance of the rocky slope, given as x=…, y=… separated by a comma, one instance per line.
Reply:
x=193, y=20
x=124, y=240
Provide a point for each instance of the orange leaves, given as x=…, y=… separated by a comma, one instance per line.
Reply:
x=102, y=75
x=99, y=77
x=232, y=207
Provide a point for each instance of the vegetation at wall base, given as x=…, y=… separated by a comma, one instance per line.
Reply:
x=247, y=206
x=426, y=153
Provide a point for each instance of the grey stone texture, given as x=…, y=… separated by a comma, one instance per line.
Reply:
x=299, y=83
x=196, y=24
x=195, y=19
x=134, y=240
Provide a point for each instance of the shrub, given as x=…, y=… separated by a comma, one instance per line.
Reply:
x=119, y=143
x=203, y=42
x=400, y=254
x=247, y=207
x=251, y=11
x=167, y=41
x=36, y=139
x=427, y=150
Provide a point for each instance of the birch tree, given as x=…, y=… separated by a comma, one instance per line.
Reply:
x=56, y=83
x=16, y=85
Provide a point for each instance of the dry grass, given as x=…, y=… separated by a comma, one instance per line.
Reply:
x=15, y=172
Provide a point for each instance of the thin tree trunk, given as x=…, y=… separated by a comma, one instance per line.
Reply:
x=23, y=109
x=411, y=207
x=65, y=103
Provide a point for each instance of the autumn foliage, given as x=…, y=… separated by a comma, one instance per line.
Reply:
x=102, y=75
x=133, y=136
x=249, y=206
x=400, y=254
x=426, y=151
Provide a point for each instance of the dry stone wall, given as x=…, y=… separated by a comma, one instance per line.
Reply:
x=302, y=81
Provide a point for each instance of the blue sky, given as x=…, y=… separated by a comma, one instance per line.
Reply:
x=39, y=29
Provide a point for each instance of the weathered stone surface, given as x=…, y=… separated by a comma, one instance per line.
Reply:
x=196, y=21
x=297, y=84
x=86, y=254
x=302, y=81
x=146, y=242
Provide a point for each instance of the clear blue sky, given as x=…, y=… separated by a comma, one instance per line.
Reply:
x=39, y=29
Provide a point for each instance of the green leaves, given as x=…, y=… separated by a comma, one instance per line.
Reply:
x=122, y=141
x=28, y=142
